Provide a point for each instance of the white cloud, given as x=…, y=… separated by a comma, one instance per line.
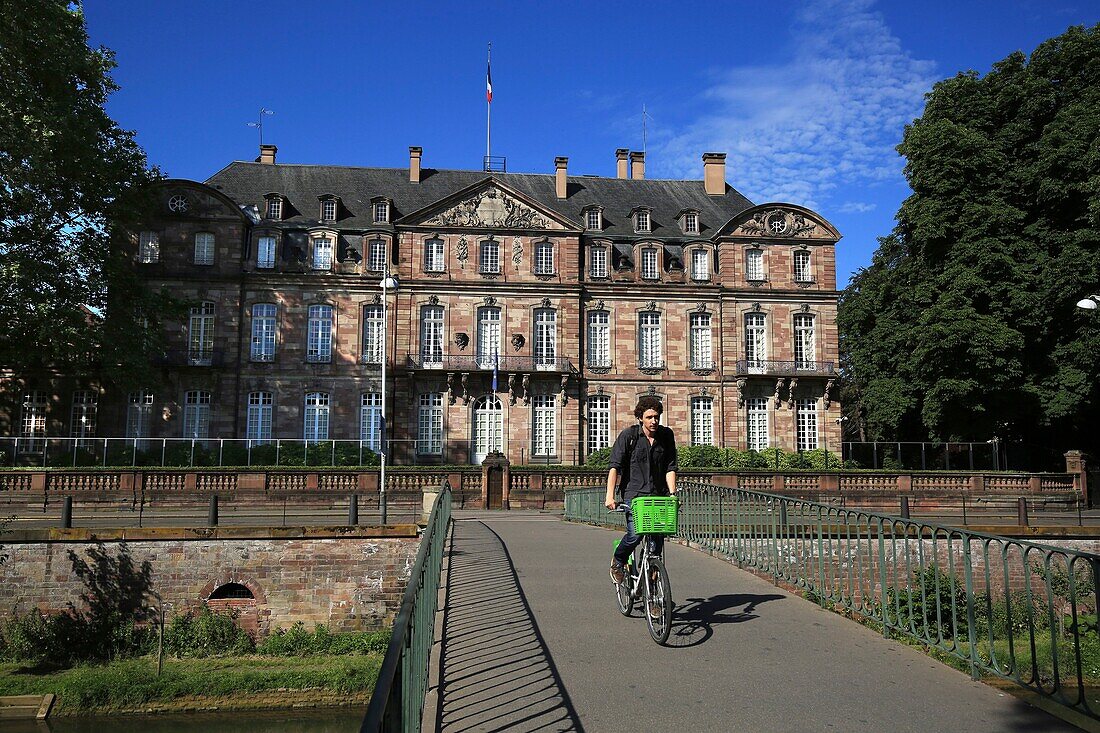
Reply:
x=855, y=207
x=827, y=118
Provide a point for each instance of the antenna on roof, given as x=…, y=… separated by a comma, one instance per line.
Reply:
x=645, y=115
x=259, y=123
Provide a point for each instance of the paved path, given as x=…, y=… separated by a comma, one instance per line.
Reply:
x=532, y=641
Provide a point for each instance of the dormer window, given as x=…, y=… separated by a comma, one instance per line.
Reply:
x=274, y=209
x=700, y=264
x=691, y=223
x=376, y=255
x=322, y=252
x=593, y=219
x=381, y=212
x=328, y=209
x=650, y=270
x=642, y=224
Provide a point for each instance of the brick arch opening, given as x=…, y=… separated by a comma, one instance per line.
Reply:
x=242, y=598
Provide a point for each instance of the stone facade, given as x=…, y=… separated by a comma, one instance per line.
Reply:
x=496, y=254
x=348, y=583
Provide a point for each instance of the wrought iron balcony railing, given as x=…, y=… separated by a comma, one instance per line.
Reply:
x=192, y=357
x=699, y=364
x=473, y=363
x=772, y=367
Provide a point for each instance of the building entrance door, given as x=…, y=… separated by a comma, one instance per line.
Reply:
x=495, y=494
x=488, y=429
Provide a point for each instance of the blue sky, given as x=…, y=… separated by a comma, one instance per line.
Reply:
x=807, y=98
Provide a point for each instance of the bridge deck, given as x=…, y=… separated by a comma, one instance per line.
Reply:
x=532, y=641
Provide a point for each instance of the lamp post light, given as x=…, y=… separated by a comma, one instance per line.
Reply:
x=839, y=421
x=1090, y=303
x=389, y=282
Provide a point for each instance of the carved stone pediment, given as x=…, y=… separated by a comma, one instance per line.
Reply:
x=491, y=206
x=782, y=221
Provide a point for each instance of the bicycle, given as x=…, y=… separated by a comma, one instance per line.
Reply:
x=653, y=516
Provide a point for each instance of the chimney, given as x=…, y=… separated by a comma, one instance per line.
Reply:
x=267, y=154
x=414, y=163
x=620, y=158
x=637, y=165
x=714, y=173
x=560, y=164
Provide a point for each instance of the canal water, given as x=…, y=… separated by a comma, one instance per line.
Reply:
x=320, y=720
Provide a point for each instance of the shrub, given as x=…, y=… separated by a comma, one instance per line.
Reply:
x=297, y=642
x=598, y=459
x=699, y=456
x=206, y=634
x=915, y=606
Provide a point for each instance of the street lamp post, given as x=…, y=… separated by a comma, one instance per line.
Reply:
x=839, y=421
x=388, y=282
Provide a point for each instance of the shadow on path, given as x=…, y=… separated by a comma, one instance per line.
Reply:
x=693, y=621
x=496, y=671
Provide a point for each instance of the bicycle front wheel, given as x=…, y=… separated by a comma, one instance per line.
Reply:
x=658, y=601
x=623, y=594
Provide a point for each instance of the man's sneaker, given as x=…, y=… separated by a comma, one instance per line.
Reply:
x=618, y=572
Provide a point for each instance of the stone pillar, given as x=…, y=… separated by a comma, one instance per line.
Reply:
x=1075, y=464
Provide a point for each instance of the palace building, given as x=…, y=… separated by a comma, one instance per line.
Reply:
x=525, y=315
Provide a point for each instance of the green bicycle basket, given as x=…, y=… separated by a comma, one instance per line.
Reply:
x=654, y=514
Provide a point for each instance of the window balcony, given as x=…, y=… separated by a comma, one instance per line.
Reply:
x=598, y=365
x=771, y=367
x=191, y=357
x=702, y=365
x=318, y=358
x=488, y=269
x=263, y=357
x=472, y=363
x=651, y=366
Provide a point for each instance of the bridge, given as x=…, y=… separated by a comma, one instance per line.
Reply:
x=529, y=638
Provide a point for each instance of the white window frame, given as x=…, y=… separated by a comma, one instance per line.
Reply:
x=204, y=248
x=264, y=331
x=370, y=420
x=381, y=211
x=149, y=247
x=593, y=220
x=700, y=264
x=376, y=255
x=650, y=347
x=701, y=338
x=328, y=210
x=546, y=338
x=599, y=339
x=33, y=422
x=274, y=208
x=434, y=255
x=599, y=422
x=806, y=424
x=642, y=222
x=702, y=420
x=323, y=252
x=319, y=333
x=487, y=349
x=139, y=414
x=544, y=258
x=805, y=346
x=488, y=423
x=598, y=266
x=259, y=417
x=754, y=265
x=651, y=269
x=758, y=421
x=802, y=271
x=431, y=335
x=265, y=253
x=488, y=257
x=200, y=334
x=82, y=421
x=373, y=349
x=315, y=423
x=429, y=431
x=691, y=223
x=544, y=426
x=196, y=414
x=756, y=339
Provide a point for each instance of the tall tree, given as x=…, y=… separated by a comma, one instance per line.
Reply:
x=964, y=326
x=72, y=185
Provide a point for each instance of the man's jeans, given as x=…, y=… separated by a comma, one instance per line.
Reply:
x=631, y=540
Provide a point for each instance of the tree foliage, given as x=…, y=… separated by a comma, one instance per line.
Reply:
x=73, y=185
x=964, y=326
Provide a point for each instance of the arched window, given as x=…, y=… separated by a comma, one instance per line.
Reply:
x=488, y=428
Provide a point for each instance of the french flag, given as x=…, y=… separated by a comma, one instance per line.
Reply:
x=488, y=82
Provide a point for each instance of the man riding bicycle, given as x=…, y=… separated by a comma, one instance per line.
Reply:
x=644, y=455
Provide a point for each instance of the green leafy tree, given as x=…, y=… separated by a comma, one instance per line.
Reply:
x=964, y=326
x=73, y=188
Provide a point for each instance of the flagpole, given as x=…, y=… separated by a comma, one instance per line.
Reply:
x=488, y=105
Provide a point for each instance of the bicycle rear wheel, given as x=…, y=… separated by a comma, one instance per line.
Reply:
x=623, y=595
x=658, y=601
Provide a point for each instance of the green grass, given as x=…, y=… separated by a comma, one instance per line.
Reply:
x=132, y=683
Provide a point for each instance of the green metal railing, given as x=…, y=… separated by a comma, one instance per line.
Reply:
x=397, y=703
x=1009, y=608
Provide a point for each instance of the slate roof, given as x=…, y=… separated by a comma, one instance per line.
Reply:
x=302, y=185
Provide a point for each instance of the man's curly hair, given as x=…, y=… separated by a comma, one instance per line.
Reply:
x=649, y=402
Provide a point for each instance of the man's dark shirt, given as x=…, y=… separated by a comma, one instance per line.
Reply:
x=645, y=476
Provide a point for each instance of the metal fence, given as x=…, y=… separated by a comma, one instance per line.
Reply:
x=397, y=703
x=992, y=455
x=1007, y=608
